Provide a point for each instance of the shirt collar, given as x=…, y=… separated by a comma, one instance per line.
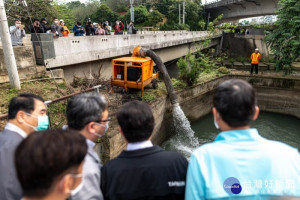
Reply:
x=250, y=134
x=139, y=145
x=90, y=143
x=14, y=128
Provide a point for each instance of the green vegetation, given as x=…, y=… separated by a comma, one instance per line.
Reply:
x=223, y=70
x=192, y=67
x=284, y=40
x=189, y=69
x=149, y=97
x=161, y=15
x=46, y=89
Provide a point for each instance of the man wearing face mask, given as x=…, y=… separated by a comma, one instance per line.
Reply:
x=88, y=114
x=26, y=113
x=55, y=175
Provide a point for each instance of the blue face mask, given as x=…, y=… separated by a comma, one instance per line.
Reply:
x=43, y=122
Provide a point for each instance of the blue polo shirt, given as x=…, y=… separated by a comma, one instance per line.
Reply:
x=262, y=167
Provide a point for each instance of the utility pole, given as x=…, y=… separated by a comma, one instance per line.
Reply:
x=179, y=13
x=8, y=51
x=131, y=10
x=183, y=12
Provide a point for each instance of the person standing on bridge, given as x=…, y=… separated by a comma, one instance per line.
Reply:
x=17, y=33
x=255, y=57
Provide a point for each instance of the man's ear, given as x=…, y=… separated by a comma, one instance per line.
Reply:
x=216, y=114
x=256, y=113
x=120, y=130
x=20, y=116
x=90, y=128
x=64, y=185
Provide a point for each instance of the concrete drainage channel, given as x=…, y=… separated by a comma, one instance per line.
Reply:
x=278, y=95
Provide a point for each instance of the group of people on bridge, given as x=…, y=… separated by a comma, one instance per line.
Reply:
x=59, y=29
x=41, y=163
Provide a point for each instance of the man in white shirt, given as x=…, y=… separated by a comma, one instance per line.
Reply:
x=26, y=113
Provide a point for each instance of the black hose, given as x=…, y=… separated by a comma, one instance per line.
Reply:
x=161, y=66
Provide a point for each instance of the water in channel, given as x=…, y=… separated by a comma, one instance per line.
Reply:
x=270, y=125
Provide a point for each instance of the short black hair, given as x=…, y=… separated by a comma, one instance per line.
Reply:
x=235, y=100
x=35, y=19
x=45, y=156
x=78, y=23
x=24, y=102
x=136, y=121
x=54, y=18
x=85, y=108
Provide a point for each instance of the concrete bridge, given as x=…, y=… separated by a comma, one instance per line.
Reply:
x=82, y=56
x=238, y=9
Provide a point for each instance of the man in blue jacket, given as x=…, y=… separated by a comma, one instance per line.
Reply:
x=241, y=163
x=78, y=30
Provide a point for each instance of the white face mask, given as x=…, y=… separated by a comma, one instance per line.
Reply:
x=216, y=124
x=106, y=126
x=77, y=189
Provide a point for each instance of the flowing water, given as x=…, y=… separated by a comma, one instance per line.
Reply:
x=270, y=125
x=184, y=137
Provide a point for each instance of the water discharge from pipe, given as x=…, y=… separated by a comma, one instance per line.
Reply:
x=185, y=134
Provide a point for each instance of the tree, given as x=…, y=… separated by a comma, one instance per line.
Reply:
x=63, y=12
x=85, y=11
x=194, y=14
x=140, y=15
x=154, y=17
x=74, y=4
x=284, y=40
x=117, y=5
x=104, y=13
x=34, y=9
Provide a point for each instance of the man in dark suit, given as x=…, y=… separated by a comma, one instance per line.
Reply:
x=143, y=171
x=26, y=113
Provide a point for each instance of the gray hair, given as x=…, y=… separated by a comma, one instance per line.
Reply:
x=85, y=108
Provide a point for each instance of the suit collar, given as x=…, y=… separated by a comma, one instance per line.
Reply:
x=11, y=127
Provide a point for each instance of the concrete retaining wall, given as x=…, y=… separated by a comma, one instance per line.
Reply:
x=25, y=63
x=245, y=45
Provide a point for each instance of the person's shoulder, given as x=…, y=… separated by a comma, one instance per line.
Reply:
x=280, y=146
x=171, y=154
x=9, y=139
x=91, y=166
x=208, y=148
